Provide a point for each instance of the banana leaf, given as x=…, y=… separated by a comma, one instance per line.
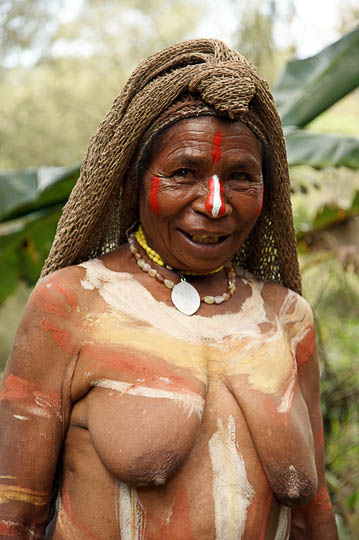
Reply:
x=321, y=150
x=308, y=87
x=24, y=245
x=28, y=190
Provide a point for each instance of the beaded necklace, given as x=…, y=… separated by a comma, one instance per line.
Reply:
x=184, y=296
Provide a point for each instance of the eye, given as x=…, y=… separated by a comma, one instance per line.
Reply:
x=240, y=176
x=183, y=172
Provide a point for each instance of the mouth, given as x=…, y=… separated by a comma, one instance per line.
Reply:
x=205, y=238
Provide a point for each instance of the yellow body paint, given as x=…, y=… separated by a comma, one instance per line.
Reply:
x=20, y=494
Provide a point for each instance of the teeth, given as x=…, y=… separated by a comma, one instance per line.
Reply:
x=205, y=239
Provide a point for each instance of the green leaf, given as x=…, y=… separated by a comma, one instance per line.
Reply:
x=321, y=150
x=24, y=246
x=309, y=86
x=29, y=190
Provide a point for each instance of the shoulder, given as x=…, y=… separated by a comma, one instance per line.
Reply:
x=289, y=306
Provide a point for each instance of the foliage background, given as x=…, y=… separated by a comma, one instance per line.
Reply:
x=59, y=75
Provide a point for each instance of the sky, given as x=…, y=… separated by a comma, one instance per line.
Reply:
x=313, y=26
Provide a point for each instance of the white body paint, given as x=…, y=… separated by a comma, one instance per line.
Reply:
x=232, y=493
x=217, y=202
x=19, y=417
x=282, y=532
x=191, y=402
x=129, y=513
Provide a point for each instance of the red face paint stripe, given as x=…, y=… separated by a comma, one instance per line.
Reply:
x=260, y=205
x=217, y=148
x=154, y=195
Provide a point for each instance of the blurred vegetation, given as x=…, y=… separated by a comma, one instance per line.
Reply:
x=50, y=109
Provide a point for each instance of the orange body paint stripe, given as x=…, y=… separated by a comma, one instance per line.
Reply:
x=305, y=348
x=140, y=366
x=71, y=519
x=20, y=494
x=154, y=195
x=60, y=337
x=178, y=526
x=17, y=388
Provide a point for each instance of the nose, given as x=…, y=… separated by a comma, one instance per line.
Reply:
x=211, y=201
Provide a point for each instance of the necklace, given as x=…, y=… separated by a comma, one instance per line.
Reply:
x=184, y=296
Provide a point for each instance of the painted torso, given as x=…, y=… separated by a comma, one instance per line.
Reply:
x=185, y=427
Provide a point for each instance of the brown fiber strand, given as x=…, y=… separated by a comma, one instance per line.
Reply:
x=104, y=203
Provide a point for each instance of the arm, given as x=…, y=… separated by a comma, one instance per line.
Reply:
x=314, y=520
x=35, y=405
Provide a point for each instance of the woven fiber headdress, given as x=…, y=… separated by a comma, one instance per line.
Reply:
x=104, y=202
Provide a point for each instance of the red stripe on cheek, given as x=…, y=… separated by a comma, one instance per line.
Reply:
x=154, y=195
x=217, y=148
x=260, y=205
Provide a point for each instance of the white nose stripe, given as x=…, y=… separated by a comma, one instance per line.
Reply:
x=217, y=200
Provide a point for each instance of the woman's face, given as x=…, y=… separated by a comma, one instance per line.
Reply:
x=202, y=192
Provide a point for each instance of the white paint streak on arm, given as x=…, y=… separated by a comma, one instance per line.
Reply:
x=191, y=402
x=232, y=493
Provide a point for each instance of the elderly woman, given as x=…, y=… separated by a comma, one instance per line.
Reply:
x=165, y=370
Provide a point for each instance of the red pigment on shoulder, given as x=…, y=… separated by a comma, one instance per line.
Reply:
x=305, y=348
x=138, y=365
x=55, y=299
x=60, y=337
x=216, y=148
x=154, y=195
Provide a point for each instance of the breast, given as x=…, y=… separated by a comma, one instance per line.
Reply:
x=142, y=434
x=143, y=412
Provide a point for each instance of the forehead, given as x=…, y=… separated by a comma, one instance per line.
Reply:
x=206, y=131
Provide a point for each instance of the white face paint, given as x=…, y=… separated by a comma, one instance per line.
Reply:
x=129, y=513
x=232, y=493
x=191, y=402
x=215, y=200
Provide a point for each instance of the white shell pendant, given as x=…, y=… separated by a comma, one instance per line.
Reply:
x=185, y=298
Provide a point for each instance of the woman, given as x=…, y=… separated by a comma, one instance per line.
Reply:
x=171, y=381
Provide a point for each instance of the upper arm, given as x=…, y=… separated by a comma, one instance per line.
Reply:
x=35, y=404
x=314, y=520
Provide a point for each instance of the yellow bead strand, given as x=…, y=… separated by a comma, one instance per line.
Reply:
x=155, y=257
